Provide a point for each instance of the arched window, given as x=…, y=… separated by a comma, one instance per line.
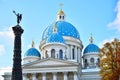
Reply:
x=63, y=17
x=73, y=53
x=98, y=60
x=92, y=60
x=60, y=54
x=85, y=60
x=53, y=53
x=86, y=63
x=46, y=54
x=60, y=16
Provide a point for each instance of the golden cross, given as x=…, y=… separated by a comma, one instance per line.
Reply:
x=91, y=38
x=61, y=5
x=33, y=43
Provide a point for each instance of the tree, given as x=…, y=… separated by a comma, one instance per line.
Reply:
x=109, y=58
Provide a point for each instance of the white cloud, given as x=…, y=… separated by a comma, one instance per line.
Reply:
x=7, y=34
x=105, y=41
x=116, y=23
x=2, y=50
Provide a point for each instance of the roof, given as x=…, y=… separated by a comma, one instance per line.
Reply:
x=91, y=48
x=64, y=29
x=55, y=37
x=32, y=52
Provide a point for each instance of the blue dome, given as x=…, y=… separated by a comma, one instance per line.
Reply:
x=32, y=52
x=55, y=37
x=64, y=29
x=91, y=48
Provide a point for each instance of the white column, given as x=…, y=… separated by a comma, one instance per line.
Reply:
x=71, y=56
x=49, y=52
x=44, y=76
x=76, y=53
x=79, y=54
x=43, y=54
x=54, y=75
x=65, y=75
x=34, y=76
x=25, y=76
x=57, y=54
x=68, y=52
x=75, y=76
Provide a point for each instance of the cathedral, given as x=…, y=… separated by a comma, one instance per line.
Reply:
x=61, y=55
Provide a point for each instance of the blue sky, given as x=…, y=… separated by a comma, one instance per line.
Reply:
x=99, y=17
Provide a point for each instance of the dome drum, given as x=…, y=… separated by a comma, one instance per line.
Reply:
x=72, y=41
x=49, y=47
x=30, y=59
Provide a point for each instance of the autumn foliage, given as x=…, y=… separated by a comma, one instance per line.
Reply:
x=110, y=60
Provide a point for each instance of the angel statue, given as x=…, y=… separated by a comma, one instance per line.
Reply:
x=19, y=17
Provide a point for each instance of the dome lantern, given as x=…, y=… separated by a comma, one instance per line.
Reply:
x=60, y=14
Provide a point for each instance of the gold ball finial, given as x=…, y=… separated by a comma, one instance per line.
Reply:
x=91, y=38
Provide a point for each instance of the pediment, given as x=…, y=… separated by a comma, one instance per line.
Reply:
x=50, y=62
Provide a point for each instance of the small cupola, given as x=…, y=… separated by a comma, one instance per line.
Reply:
x=31, y=54
x=60, y=14
x=32, y=51
x=91, y=48
x=55, y=28
x=55, y=37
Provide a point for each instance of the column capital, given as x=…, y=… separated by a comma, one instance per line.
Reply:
x=65, y=72
x=54, y=75
x=44, y=76
x=33, y=73
x=17, y=30
x=75, y=72
x=65, y=75
x=54, y=72
x=24, y=76
x=43, y=72
x=75, y=75
x=33, y=76
x=24, y=73
x=71, y=46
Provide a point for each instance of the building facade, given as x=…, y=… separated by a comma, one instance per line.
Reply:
x=61, y=55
